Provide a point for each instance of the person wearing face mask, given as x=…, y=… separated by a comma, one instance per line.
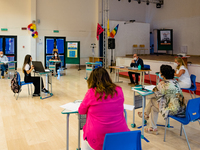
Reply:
x=4, y=67
x=135, y=63
x=168, y=99
x=182, y=73
x=56, y=58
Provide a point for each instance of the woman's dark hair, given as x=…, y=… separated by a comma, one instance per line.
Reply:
x=100, y=79
x=167, y=71
x=26, y=61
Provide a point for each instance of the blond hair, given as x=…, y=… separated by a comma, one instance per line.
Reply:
x=180, y=60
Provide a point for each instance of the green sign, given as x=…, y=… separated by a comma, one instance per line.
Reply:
x=4, y=29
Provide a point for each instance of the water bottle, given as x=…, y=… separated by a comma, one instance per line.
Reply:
x=58, y=71
x=139, y=67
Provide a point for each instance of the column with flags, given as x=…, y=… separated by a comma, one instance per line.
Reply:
x=99, y=30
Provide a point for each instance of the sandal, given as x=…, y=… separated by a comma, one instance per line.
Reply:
x=146, y=117
x=151, y=130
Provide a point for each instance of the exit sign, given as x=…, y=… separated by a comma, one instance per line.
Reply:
x=56, y=31
x=4, y=29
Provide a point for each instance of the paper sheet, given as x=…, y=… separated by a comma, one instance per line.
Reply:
x=72, y=106
x=149, y=87
x=128, y=107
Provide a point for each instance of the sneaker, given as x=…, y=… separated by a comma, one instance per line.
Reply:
x=35, y=95
x=45, y=90
x=2, y=77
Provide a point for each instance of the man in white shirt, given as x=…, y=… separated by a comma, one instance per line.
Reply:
x=4, y=66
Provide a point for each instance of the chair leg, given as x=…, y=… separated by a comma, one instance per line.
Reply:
x=190, y=94
x=194, y=94
x=165, y=129
x=186, y=137
x=28, y=90
x=181, y=130
x=17, y=96
x=31, y=91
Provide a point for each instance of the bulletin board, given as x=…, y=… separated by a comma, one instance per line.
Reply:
x=72, y=49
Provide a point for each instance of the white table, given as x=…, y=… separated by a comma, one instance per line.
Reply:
x=141, y=72
x=143, y=94
x=75, y=111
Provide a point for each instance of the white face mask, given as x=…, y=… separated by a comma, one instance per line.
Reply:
x=55, y=55
x=1, y=55
x=175, y=65
x=134, y=58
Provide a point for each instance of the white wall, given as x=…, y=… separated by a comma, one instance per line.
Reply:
x=129, y=34
x=14, y=15
x=75, y=19
x=183, y=16
x=123, y=10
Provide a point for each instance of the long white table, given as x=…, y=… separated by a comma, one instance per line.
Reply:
x=141, y=72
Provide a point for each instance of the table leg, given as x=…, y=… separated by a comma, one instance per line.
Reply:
x=133, y=125
x=67, y=140
x=115, y=75
x=40, y=86
x=143, y=78
x=79, y=127
x=143, y=105
x=51, y=82
x=140, y=78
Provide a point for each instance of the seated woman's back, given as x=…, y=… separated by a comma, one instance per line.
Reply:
x=103, y=104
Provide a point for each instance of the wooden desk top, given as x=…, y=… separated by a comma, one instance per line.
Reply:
x=126, y=69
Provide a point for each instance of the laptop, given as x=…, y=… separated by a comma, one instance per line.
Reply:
x=38, y=67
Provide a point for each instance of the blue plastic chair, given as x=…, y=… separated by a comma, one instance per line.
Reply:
x=99, y=65
x=192, y=114
x=148, y=67
x=130, y=140
x=193, y=86
x=21, y=83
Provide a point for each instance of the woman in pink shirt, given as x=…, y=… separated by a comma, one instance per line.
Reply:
x=103, y=104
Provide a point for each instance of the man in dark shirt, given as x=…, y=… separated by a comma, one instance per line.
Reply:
x=135, y=63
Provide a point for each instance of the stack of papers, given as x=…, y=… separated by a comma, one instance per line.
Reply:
x=149, y=87
x=73, y=106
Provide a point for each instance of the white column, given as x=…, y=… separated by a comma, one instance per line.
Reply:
x=33, y=51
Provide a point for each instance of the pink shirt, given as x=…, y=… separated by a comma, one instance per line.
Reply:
x=106, y=116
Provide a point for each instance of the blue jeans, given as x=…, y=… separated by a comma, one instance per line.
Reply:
x=3, y=68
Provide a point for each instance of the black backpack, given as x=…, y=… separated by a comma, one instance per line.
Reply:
x=15, y=87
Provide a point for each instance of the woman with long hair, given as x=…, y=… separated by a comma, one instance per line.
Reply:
x=103, y=104
x=27, y=68
x=182, y=73
x=168, y=99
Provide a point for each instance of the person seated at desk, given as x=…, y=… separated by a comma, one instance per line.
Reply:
x=168, y=99
x=103, y=104
x=135, y=63
x=182, y=73
x=27, y=68
x=4, y=67
x=56, y=58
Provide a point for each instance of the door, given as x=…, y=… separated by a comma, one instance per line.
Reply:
x=54, y=43
x=8, y=44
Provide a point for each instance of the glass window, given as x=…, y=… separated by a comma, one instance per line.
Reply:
x=60, y=45
x=11, y=58
x=49, y=46
x=1, y=44
x=10, y=46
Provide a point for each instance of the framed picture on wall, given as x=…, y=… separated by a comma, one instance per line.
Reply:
x=165, y=37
